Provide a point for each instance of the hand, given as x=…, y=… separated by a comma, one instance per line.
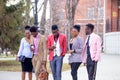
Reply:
x=96, y=61
x=52, y=47
x=84, y=64
x=70, y=51
x=17, y=59
x=68, y=63
x=44, y=66
x=32, y=48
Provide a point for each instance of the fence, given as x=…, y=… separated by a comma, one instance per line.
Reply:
x=112, y=43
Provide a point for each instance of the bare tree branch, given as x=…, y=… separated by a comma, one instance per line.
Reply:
x=43, y=18
x=41, y=6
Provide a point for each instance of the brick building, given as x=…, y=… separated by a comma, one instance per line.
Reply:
x=112, y=15
x=90, y=11
x=112, y=29
x=104, y=14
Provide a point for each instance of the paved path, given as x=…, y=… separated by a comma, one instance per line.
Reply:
x=7, y=58
x=108, y=69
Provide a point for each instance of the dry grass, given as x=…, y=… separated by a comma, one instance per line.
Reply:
x=12, y=65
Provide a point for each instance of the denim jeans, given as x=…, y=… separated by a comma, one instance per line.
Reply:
x=56, y=67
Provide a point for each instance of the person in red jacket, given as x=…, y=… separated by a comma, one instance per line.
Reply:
x=56, y=43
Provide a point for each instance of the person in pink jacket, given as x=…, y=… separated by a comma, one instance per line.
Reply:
x=91, y=52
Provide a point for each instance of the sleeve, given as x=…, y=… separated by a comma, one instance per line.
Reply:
x=44, y=49
x=80, y=48
x=21, y=47
x=99, y=47
x=84, y=55
x=64, y=45
x=31, y=40
x=48, y=43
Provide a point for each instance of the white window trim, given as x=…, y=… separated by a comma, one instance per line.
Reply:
x=93, y=18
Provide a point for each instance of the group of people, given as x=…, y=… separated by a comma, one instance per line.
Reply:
x=35, y=47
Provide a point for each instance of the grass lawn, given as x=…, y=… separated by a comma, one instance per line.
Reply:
x=12, y=65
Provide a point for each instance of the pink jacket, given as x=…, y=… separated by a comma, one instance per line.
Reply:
x=50, y=42
x=95, y=48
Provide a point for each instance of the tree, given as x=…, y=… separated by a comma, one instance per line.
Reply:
x=55, y=12
x=97, y=7
x=43, y=18
x=70, y=13
x=11, y=20
x=56, y=7
x=27, y=12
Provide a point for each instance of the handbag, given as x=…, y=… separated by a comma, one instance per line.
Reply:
x=43, y=75
x=22, y=58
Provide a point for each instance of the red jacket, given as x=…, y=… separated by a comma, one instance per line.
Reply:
x=50, y=42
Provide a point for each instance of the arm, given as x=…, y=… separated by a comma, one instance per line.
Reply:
x=44, y=49
x=99, y=47
x=32, y=43
x=80, y=48
x=44, y=52
x=49, y=46
x=48, y=43
x=64, y=46
x=21, y=48
x=84, y=54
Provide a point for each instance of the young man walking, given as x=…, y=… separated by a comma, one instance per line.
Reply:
x=56, y=44
x=91, y=51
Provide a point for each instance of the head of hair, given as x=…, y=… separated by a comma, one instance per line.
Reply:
x=54, y=27
x=33, y=29
x=27, y=27
x=90, y=26
x=77, y=27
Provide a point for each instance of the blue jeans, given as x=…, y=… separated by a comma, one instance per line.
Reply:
x=56, y=67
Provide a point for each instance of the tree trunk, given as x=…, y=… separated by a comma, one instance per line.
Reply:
x=55, y=12
x=56, y=7
x=43, y=18
x=70, y=13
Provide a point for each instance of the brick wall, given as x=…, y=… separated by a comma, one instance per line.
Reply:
x=114, y=14
x=112, y=17
x=81, y=16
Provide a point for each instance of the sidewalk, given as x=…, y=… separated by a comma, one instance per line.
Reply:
x=7, y=58
x=108, y=69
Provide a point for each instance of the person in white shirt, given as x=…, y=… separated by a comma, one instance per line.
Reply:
x=25, y=50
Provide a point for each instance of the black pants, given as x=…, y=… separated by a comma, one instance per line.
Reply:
x=74, y=68
x=91, y=68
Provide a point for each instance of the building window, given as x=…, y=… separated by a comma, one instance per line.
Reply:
x=90, y=13
x=100, y=13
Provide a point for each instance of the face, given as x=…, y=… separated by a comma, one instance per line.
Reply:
x=34, y=34
x=87, y=30
x=55, y=32
x=27, y=33
x=74, y=32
